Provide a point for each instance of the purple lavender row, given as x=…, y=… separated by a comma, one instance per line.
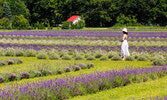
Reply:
x=81, y=47
x=67, y=87
x=84, y=34
x=158, y=98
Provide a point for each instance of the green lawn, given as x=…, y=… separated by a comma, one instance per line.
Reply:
x=33, y=62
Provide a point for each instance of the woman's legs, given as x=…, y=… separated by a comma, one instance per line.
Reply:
x=123, y=58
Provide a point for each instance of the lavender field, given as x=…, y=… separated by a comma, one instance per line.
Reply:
x=58, y=65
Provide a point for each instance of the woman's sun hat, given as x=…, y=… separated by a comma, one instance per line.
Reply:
x=125, y=30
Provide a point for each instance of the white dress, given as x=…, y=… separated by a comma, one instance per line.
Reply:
x=124, y=48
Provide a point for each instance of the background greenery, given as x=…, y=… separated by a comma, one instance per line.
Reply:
x=96, y=13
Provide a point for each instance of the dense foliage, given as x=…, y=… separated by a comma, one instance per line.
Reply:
x=96, y=13
x=19, y=22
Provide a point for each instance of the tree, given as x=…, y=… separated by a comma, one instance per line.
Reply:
x=19, y=22
x=129, y=20
x=97, y=13
x=19, y=8
x=7, y=11
x=40, y=11
x=1, y=9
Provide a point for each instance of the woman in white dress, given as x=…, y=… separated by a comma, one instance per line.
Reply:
x=124, y=46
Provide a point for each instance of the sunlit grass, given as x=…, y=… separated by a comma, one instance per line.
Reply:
x=34, y=63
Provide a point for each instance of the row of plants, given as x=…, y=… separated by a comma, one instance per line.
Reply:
x=84, y=42
x=156, y=58
x=157, y=98
x=12, y=36
x=7, y=77
x=97, y=34
x=10, y=62
x=70, y=86
x=82, y=47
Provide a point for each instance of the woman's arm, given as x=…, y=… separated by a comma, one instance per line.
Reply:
x=123, y=38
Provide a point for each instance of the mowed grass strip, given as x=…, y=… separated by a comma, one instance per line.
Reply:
x=137, y=91
x=32, y=63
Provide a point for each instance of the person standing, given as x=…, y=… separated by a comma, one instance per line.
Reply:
x=124, y=46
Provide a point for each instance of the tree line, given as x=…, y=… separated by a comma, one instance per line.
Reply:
x=96, y=13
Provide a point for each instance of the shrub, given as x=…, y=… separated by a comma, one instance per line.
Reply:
x=41, y=26
x=1, y=79
x=70, y=53
x=110, y=55
x=9, y=27
x=19, y=22
x=78, y=57
x=158, y=62
x=62, y=53
x=37, y=74
x=76, y=68
x=1, y=53
x=19, y=53
x=87, y=55
x=65, y=25
x=9, y=52
x=4, y=23
x=81, y=24
x=90, y=58
x=45, y=72
x=142, y=58
x=78, y=25
x=98, y=55
x=82, y=66
x=103, y=58
x=59, y=72
x=146, y=55
x=17, y=61
x=25, y=75
x=157, y=57
x=29, y=27
x=66, y=57
x=30, y=53
x=3, y=63
x=11, y=76
x=48, y=72
x=116, y=58
x=10, y=62
x=135, y=55
x=129, y=58
x=42, y=55
x=126, y=20
x=53, y=56
x=68, y=69
x=90, y=65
